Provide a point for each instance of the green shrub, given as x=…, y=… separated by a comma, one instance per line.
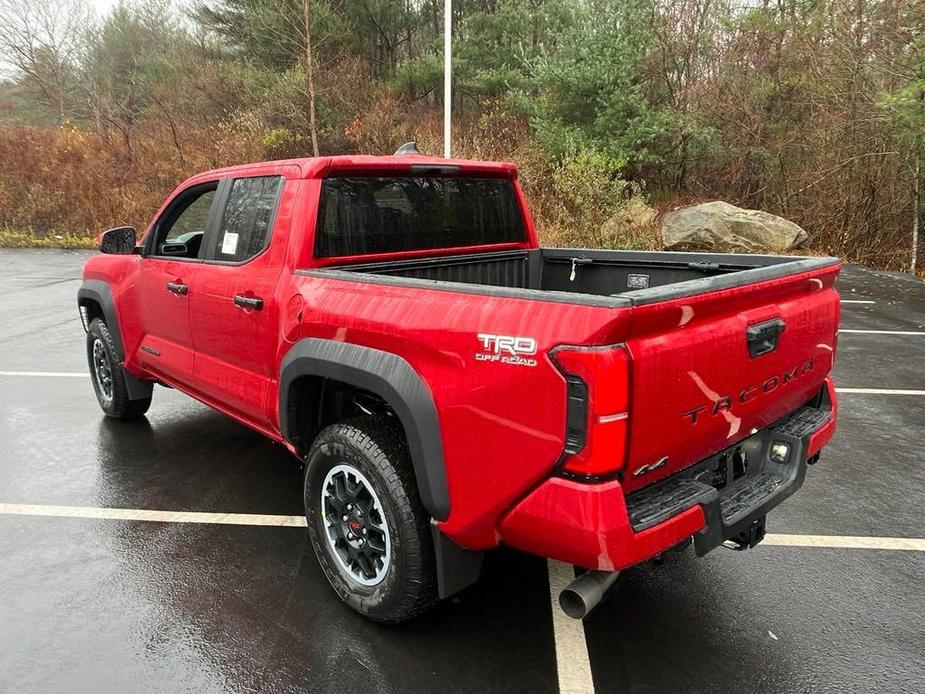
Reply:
x=589, y=191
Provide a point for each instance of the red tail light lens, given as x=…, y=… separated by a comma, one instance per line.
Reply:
x=597, y=381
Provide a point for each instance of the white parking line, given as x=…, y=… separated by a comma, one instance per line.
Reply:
x=47, y=374
x=879, y=391
x=882, y=332
x=857, y=301
x=572, y=662
x=139, y=514
x=560, y=573
x=911, y=544
x=558, y=576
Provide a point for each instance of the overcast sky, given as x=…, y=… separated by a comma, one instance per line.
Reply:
x=103, y=6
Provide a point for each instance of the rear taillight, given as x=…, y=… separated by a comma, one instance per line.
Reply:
x=597, y=381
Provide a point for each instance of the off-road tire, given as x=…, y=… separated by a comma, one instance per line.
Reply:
x=118, y=405
x=377, y=449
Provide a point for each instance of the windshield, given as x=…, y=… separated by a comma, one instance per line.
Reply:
x=375, y=214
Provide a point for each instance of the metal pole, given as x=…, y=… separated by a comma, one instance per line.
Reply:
x=916, y=208
x=447, y=74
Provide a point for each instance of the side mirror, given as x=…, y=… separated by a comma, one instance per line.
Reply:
x=118, y=241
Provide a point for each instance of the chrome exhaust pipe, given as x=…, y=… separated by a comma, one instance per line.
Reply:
x=584, y=593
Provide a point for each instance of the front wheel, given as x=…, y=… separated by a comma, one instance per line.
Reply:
x=366, y=523
x=107, y=375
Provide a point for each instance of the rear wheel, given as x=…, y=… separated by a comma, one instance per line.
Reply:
x=366, y=523
x=107, y=375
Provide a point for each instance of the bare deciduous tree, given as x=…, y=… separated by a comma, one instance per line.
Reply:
x=43, y=43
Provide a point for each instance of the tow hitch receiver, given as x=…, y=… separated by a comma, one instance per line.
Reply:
x=748, y=538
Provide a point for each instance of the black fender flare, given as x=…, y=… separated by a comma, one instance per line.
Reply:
x=395, y=381
x=99, y=292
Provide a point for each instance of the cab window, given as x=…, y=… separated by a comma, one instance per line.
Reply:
x=247, y=219
x=181, y=229
x=364, y=215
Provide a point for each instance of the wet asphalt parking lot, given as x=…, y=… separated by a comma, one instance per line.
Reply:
x=168, y=598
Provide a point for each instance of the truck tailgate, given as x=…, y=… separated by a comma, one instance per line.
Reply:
x=710, y=369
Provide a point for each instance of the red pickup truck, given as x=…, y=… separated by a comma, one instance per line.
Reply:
x=450, y=385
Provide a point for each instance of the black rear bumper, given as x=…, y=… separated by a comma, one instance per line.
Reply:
x=737, y=486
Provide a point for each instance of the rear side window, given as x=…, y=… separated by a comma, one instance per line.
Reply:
x=247, y=219
x=366, y=215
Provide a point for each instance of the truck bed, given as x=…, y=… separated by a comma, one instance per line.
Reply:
x=689, y=335
x=614, y=277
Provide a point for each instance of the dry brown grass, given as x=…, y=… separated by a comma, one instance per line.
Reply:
x=62, y=186
x=62, y=183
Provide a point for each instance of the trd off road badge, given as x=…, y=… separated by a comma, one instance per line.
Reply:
x=507, y=349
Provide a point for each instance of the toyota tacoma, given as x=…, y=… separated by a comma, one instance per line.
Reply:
x=451, y=385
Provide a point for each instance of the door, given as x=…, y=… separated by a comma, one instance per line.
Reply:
x=235, y=313
x=172, y=259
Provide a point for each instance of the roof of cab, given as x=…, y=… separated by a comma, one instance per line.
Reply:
x=320, y=167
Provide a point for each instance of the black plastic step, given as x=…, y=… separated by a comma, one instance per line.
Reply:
x=742, y=498
x=661, y=501
x=735, y=495
x=804, y=421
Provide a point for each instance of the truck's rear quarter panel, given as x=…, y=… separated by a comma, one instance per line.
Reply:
x=502, y=424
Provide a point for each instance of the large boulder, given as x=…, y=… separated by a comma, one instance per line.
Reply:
x=724, y=228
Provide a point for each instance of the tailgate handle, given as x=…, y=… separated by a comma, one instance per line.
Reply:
x=762, y=337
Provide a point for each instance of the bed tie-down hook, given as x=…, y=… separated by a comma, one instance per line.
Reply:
x=582, y=260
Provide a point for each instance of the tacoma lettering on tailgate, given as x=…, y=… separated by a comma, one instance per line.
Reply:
x=748, y=393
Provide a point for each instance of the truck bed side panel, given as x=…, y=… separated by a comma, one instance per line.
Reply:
x=502, y=424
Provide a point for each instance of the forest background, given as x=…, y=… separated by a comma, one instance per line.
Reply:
x=615, y=112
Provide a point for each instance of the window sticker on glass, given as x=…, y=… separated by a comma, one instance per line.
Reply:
x=229, y=243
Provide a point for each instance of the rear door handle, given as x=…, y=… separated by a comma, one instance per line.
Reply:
x=177, y=288
x=254, y=302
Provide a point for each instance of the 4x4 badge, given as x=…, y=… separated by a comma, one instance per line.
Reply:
x=643, y=469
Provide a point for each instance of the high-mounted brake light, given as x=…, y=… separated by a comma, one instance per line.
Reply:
x=597, y=409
